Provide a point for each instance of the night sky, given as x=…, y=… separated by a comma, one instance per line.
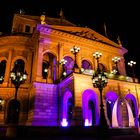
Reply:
x=121, y=19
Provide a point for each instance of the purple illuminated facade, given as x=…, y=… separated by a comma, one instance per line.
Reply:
x=56, y=94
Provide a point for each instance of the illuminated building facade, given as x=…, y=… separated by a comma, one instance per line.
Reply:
x=57, y=93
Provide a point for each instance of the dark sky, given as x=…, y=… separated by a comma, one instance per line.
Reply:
x=121, y=18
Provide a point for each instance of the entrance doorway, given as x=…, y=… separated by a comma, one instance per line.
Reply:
x=13, y=112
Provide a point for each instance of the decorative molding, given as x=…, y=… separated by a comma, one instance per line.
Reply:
x=70, y=37
x=13, y=39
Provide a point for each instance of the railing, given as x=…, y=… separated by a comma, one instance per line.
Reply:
x=111, y=76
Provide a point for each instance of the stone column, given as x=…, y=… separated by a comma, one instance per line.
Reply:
x=8, y=67
x=60, y=56
x=39, y=60
x=95, y=63
x=79, y=60
x=49, y=79
x=122, y=66
x=110, y=63
x=77, y=116
x=28, y=69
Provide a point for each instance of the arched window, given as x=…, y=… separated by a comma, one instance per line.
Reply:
x=45, y=67
x=131, y=103
x=102, y=67
x=19, y=65
x=111, y=108
x=49, y=65
x=86, y=65
x=69, y=65
x=132, y=109
x=67, y=105
x=2, y=70
x=69, y=111
x=109, y=111
x=91, y=107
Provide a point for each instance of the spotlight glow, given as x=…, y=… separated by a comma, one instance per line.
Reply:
x=64, y=122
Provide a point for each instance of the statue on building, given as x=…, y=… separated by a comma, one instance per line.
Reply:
x=21, y=11
x=43, y=18
x=119, y=41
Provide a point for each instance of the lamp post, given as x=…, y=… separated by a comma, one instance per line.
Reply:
x=75, y=50
x=116, y=60
x=1, y=104
x=63, y=62
x=1, y=79
x=97, y=55
x=132, y=64
x=17, y=79
x=99, y=81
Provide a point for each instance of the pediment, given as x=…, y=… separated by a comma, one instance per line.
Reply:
x=86, y=33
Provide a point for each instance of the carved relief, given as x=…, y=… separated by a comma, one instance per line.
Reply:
x=86, y=34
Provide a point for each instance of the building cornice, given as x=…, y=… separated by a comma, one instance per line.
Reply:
x=13, y=39
x=70, y=38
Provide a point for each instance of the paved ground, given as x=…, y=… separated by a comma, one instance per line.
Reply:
x=73, y=133
x=126, y=137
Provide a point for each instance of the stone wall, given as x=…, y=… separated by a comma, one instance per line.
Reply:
x=45, y=110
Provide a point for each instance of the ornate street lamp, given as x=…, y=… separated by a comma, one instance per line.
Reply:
x=1, y=79
x=17, y=79
x=116, y=60
x=1, y=104
x=97, y=55
x=99, y=81
x=75, y=50
x=62, y=63
x=132, y=64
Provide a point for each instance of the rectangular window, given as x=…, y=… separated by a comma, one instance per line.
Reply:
x=20, y=27
x=27, y=28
